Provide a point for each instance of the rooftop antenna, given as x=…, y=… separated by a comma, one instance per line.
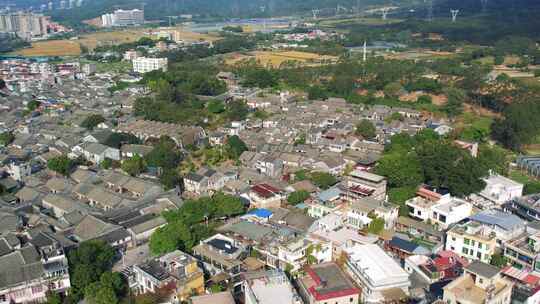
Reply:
x=358, y=9
x=454, y=14
x=484, y=5
x=385, y=11
x=315, y=12
x=170, y=20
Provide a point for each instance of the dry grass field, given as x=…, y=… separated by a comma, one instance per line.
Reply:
x=276, y=59
x=72, y=47
x=51, y=48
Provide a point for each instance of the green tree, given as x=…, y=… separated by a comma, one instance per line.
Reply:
x=61, y=164
x=316, y=92
x=424, y=99
x=53, y=298
x=215, y=107
x=298, y=197
x=6, y=138
x=376, y=226
x=393, y=89
x=401, y=170
x=106, y=163
x=134, y=166
x=92, y=121
x=164, y=155
x=170, y=178
x=33, y=105
x=235, y=147
x=498, y=260
x=366, y=129
x=87, y=263
x=323, y=180
x=454, y=105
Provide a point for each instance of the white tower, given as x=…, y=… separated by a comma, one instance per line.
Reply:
x=385, y=11
x=364, y=51
x=454, y=14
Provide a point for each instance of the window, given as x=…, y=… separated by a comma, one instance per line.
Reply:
x=479, y=245
x=453, y=239
x=350, y=300
x=465, y=250
x=472, y=243
x=466, y=241
x=479, y=255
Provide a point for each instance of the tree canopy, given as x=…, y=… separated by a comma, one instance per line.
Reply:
x=92, y=121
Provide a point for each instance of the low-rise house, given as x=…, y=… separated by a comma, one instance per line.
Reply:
x=92, y=228
x=27, y=275
x=380, y=278
x=220, y=254
x=506, y=226
x=481, y=283
x=224, y=297
x=141, y=228
x=267, y=287
x=449, y=210
x=362, y=212
x=472, y=241
x=500, y=189
x=128, y=151
x=269, y=166
x=401, y=248
x=177, y=271
x=526, y=207
x=327, y=283
x=445, y=266
x=327, y=201
x=96, y=152
x=419, y=229
x=265, y=196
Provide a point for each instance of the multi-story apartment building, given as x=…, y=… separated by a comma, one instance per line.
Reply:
x=26, y=25
x=363, y=184
x=472, y=240
x=362, y=212
x=524, y=251
x=144, y=65
x=220, y=254
x=380, y=278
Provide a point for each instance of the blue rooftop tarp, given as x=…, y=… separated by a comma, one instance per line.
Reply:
x=262, y=213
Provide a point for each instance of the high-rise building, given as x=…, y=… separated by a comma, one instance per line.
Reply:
x=25, y=25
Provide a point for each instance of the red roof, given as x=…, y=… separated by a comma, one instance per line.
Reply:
x=428, y=194
x=265, y=190
x=328, y=295
x=361, y=190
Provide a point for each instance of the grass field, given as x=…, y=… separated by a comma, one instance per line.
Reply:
x=275, y=59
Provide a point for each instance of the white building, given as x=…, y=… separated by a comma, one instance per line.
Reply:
x=378, y=275
x=450, y=210
x=123, y=18
x=268, y=287
x=500, y=189
x=144, y=65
